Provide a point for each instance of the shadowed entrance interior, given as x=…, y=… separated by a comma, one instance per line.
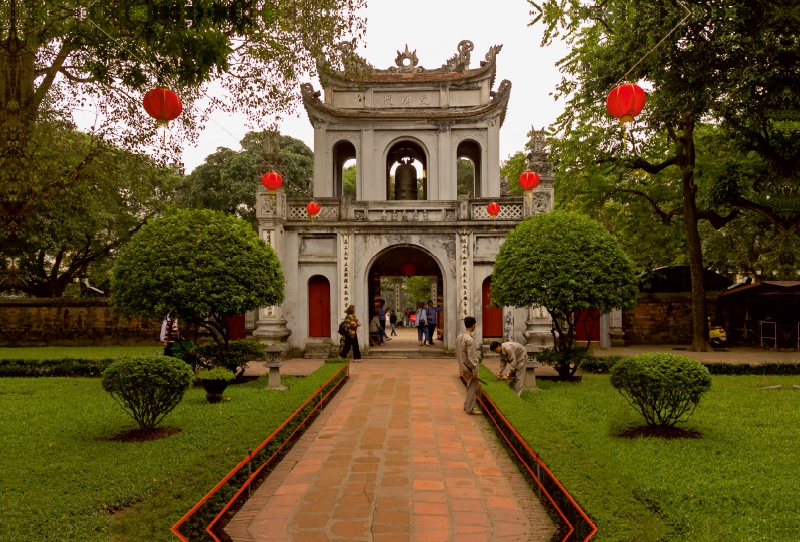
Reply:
x=402, y=265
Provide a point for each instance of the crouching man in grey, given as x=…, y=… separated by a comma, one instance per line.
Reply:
x=515, y=357
x=467, y=355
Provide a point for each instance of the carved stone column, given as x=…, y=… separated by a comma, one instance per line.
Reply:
x=398, y=294
x=271, y=213
x=434, y=291
x=615, y=325
x=345, y=270
x=464, y=262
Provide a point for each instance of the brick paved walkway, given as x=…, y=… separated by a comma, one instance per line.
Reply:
x=395, y=458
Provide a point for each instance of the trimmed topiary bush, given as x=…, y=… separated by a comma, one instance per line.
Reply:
x=148, y=387
x=664, y=388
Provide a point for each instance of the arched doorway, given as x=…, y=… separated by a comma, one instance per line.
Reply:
x=403, y=276
x=408, y=153
x=492, y=316
x=319, y=307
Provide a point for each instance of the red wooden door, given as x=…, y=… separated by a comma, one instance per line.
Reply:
x=587, y=325
x=236, y=327
x=319, y=307
x=492, y=316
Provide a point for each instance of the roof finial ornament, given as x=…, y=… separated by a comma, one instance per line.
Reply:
x=406, y=62
x=460, y=61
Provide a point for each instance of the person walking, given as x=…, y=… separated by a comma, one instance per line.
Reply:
x=422, y=323
x=467, y=355
x=408, y=312
x=382, y=317
x=430, y=314
x=393, y=321
x=351, y=338
x=515, y=357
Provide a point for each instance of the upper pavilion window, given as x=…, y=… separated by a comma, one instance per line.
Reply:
x=468, y=168
x=406, y=172
x=344, y=169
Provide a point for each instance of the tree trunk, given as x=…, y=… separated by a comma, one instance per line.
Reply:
x=699, y=311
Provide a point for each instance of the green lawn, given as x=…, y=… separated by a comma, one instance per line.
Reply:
x=738, y=482
x=82, y=352
x=62, y=479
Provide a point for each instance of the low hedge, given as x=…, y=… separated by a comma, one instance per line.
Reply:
x=55, y=367
x=603, y=365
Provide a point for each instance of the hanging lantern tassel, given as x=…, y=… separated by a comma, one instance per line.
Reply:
x=493, y=209
x=313, y=209
x=528, y=181
x=272, y=181
x=624, y=102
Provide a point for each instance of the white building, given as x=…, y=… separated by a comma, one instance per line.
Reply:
x=430, y=118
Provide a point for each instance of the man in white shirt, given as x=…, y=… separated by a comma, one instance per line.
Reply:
x=515, y=357
x=467, y=355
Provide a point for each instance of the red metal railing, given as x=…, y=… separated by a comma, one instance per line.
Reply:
x=573, y=516
x=247, y=462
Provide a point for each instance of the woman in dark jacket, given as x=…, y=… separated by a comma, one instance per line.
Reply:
x=351, y=339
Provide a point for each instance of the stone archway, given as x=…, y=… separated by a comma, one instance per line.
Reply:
x=400, y=262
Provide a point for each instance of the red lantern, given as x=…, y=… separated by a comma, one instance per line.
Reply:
x=313, y=209
x=625, y=102
x=272, y=181
x=493, y=209
x=163, y=105
x=408, y=269
x=528, y=181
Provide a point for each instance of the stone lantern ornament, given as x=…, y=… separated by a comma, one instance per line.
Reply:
x=493, y=209
x=313, y=210
x=274, y=361
x=272, y=181
x=528, y=181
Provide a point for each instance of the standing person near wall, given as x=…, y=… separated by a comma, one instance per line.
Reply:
x=421, y=321
x=393, y=321
x=430, y=314
x=515, y=357
x=351, y=338
x=467, y=355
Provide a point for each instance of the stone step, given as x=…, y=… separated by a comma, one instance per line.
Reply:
x=406, y=353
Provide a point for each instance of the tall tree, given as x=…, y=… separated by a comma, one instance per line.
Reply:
x=83, y=228
x=226, y=181
x=732, y=65
x=57, y=57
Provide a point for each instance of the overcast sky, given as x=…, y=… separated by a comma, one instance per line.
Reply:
x=434, y=28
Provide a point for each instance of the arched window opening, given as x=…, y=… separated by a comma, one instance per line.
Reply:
x=469, y=182
x=319, y=307
x=492, y=316
x=406, y=172
x=344, y=157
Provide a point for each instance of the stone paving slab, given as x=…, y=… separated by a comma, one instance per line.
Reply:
x=395, y=458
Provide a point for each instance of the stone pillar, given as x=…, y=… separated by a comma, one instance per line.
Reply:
x=323, y=168
x=443, y=186
x=345, y=271
x=491, y=181
x=434, y=292
x=271, y=212
x=398, y=296
x=615, y=328
x=605, y=337
x=464, y=262
x=366, y=168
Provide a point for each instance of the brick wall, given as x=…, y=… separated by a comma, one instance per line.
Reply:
x=70, y=322
x=663, y=318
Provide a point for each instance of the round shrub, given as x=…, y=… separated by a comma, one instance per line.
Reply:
x=148, y=387
x=664, y=388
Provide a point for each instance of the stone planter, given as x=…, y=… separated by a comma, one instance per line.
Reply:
x=215, y=389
